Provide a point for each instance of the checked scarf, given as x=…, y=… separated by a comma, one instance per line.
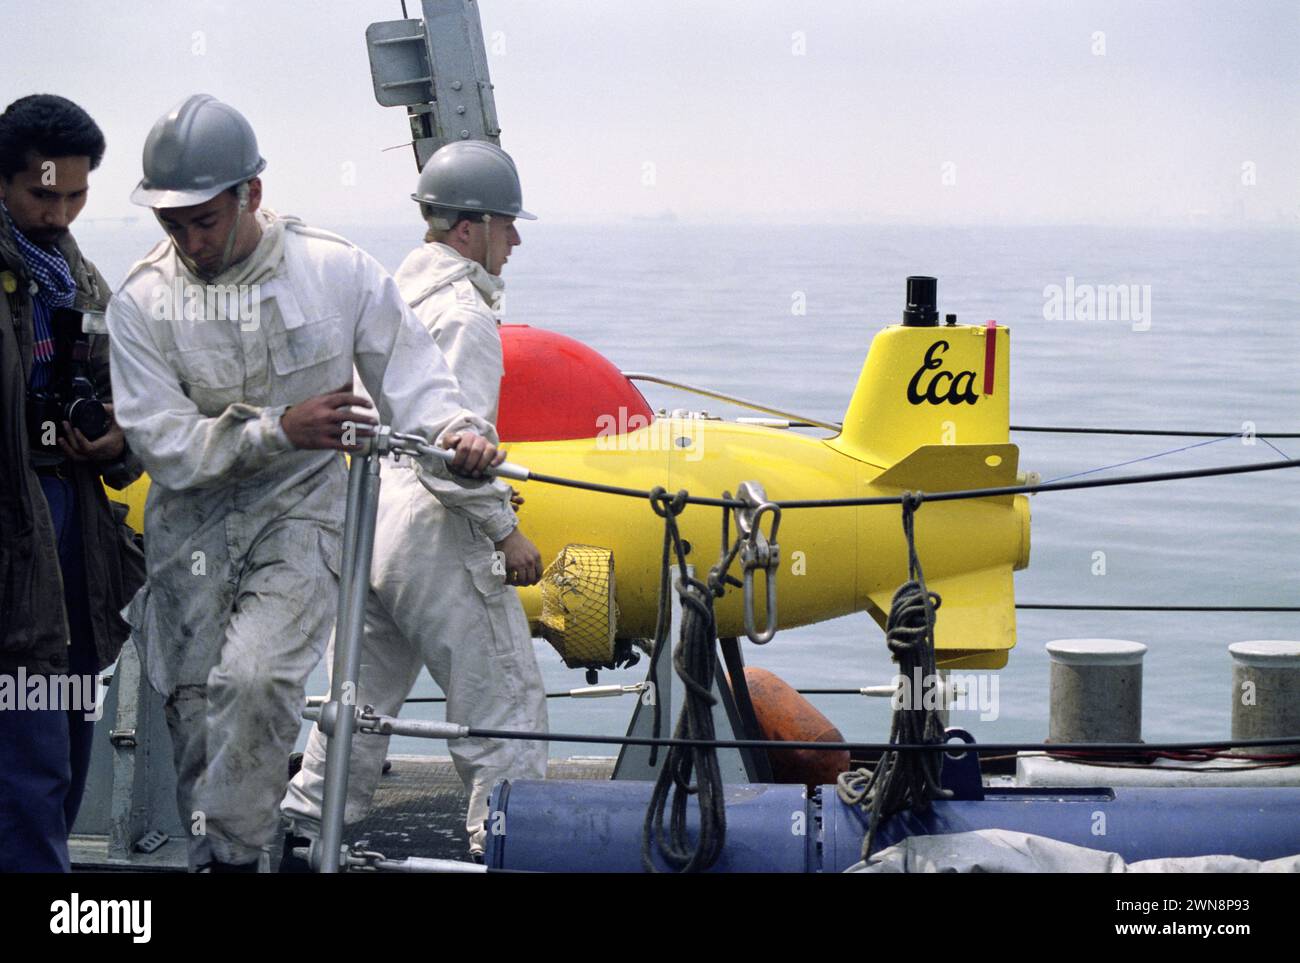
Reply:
x=55, y=289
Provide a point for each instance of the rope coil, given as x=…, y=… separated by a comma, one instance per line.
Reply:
x=695, y=660
x=904, y=780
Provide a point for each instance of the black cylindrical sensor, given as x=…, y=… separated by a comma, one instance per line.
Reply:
x=922, y=309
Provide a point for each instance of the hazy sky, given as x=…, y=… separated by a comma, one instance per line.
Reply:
x=975, y=112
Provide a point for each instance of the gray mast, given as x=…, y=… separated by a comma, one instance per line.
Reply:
x=435, y=67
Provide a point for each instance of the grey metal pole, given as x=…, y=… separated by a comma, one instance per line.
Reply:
x=338, y=718
x=351, y=522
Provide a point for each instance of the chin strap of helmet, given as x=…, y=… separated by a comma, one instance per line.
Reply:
x=241, y=192
x=487, y=242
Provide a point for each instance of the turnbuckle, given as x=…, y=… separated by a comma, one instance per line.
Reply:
x=361, y=858
x=758, y=551
x=350, y=858
x=408, y=444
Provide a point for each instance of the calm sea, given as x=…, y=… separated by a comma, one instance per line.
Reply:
x=712, y=305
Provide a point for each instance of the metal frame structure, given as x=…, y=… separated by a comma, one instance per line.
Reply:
x=340, y=718
x=437, y=69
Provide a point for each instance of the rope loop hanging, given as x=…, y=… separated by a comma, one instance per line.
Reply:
x=695, y=661
x=905, y=780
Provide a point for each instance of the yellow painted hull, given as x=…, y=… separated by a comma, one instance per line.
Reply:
x=833, y=560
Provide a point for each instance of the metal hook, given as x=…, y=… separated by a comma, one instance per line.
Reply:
x=758, y=551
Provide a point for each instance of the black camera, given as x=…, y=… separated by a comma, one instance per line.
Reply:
x=70, y=395
x=78, y=404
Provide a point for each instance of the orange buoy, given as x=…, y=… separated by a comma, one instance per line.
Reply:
x=783, y=714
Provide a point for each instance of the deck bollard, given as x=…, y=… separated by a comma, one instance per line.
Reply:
x=1266, y=693
x=1096, y=690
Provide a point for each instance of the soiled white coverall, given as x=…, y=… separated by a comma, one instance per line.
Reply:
x=480, y=652
x=242, y=529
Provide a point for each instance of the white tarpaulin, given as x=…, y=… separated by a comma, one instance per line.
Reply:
x=1001, y=851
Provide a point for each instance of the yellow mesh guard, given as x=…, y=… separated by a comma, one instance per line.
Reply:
x=579, y=616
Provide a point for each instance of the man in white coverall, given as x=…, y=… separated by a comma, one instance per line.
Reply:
x=480, y=652
x=233, y=350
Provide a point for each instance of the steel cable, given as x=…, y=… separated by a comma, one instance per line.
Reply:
x=934, y=496
x=1152, y=431
x=983, y=748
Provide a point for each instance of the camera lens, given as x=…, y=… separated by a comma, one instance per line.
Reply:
x=89, y=416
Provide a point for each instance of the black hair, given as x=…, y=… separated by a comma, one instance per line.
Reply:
x=49, y=125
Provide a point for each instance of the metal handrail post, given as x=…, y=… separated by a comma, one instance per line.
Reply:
x=338, y=719
x=351, y=521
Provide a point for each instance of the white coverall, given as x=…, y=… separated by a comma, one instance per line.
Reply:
x=243, y=530
x=480, y=651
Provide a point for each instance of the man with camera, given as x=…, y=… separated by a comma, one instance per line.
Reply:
x=67, y=562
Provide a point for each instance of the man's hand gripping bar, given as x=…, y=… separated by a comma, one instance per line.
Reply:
x=385, y=440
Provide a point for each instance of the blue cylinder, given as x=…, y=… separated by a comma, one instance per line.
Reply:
x=573, y=826
x=1136, y=823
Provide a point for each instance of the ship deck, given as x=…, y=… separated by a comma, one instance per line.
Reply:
x=419, y=810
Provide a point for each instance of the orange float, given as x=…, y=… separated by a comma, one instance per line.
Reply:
x=785, y=715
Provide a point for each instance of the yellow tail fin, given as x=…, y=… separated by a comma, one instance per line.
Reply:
x=945, y=385
x=975, y=627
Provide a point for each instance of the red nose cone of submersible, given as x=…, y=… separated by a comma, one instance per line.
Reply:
x=556, y=388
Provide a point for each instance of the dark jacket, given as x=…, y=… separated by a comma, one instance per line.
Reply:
x=33, y=621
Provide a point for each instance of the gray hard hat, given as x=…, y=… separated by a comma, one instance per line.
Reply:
x=472, y=175
x=195, y=151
